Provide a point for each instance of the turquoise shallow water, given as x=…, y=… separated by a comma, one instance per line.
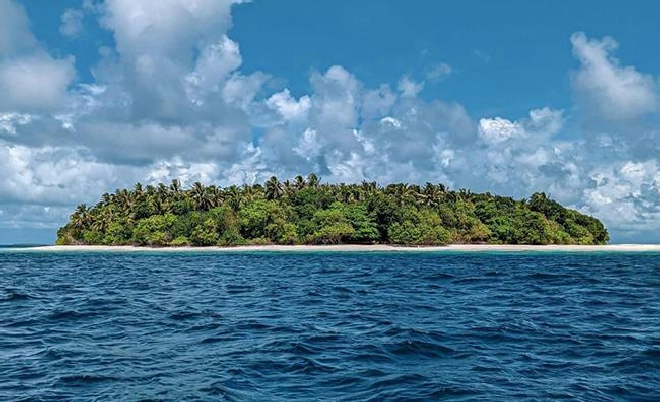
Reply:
x=329, y=326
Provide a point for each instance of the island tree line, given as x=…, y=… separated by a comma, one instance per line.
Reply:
x=306, y=211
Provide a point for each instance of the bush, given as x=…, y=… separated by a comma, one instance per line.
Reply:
x=180, y=241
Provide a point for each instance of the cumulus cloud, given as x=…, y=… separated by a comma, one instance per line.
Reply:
x=10, y=121
x=410, y=88
x=289, y=108
x=15, y=34
x=151, y=63
x=165, y=27
x=49, y=176
x=35, y=82
x=377, y=102
x=30, y=78
x=605, y=87
x=541, y=123
x=212, y=68
x=626, y=194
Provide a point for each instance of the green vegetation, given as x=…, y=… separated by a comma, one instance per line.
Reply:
x=305, y=211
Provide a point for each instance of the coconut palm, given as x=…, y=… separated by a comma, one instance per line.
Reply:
x=299, y=182
x=313, y=180
x=273, y=189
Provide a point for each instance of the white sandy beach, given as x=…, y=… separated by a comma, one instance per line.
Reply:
x=355, y=248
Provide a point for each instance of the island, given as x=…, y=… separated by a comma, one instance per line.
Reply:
x=307, y=211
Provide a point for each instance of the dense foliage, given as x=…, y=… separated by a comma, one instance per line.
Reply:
x=305, y=211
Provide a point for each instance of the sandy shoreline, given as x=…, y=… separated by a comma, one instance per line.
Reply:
x=356, y=248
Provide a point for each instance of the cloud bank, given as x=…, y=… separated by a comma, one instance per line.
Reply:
x=169, y=100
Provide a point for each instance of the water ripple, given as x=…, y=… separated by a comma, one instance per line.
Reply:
x=329, y=326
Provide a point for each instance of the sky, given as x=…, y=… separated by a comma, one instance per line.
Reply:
x=509, y=97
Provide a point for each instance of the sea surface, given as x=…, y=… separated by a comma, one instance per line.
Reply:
x=329, y=326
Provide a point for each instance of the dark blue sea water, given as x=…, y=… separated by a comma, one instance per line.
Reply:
x=329, y=326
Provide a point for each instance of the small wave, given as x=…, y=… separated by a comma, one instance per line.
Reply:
x=184, y=315
x=252, y=326
x=397, y=380
x=486, y=369
x=211, y=313
x=418, y=348
x=439, y=276
x=301, y=348
x=472, y=279
x=372, y=354
x=83, y=379
x=238, y=289
x=653, y=353
x=545, y=276
x=329, y=337
x=213, y=339
x=308, y=365
x=223, y=391
x=449, y=391
x=66, y=315
x=15, y=296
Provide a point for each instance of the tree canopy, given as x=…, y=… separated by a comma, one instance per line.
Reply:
x=306, y=211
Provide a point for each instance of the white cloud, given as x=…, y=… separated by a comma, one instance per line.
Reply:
x=288, y=107
x=391, y=121
x=71, y=22
x=377, y=102
x=186, y=172
x=438, y=72
x=541, y=122
x=605, y=87
x=165, y=27
x=36, y=82
x=49, y=175
x=15, y=35
x=240, y=90
x=308, y=145
x=626, y=194
x=172, y=56
x=9, y=121
x=410, y=88
x=212, y=68
x=545, y=121
x=30, y=78
x=497, y=130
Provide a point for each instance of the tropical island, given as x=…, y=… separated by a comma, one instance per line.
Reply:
x=306, y=211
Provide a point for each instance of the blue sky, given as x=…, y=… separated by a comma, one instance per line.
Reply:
x=511, y=97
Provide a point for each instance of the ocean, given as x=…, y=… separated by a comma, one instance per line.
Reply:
x=329, y=326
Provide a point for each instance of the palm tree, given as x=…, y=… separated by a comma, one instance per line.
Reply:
x=287, y=188
x=102, y=220
x=162, y=190
x=402, y=193
x=369, y=186
x=137, y=189
x=273, y=189
x=175, y=186
x=106, y=200
x=299, y=182
x=250, y=193
x=214, y=196
x=124, y=201
x=197, y=193
x=81, y=218
x=432, y=194
x=313, y=180
x=234, y=198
